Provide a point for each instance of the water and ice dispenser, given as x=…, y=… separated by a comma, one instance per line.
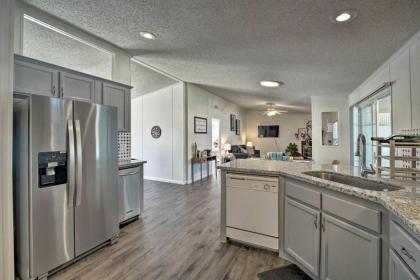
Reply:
x=52, y=168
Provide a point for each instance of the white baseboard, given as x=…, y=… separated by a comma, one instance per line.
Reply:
x=178, y=182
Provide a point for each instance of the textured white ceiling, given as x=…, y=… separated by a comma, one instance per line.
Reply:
x=228, y=46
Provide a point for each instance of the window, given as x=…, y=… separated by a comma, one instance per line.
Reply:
x=372, y=117
x=47, y=43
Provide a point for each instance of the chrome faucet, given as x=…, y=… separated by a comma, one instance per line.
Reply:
x=361, y=153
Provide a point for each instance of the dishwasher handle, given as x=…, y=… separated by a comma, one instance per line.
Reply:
x=128, y=174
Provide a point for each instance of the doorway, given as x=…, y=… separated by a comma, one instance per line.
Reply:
x=215, y=139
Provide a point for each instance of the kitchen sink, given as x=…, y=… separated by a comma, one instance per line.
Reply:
x=352, y=181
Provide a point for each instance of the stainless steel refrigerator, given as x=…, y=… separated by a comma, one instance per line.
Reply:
x=65, y=181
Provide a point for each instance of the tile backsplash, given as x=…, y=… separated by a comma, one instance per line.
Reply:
x=124, y=145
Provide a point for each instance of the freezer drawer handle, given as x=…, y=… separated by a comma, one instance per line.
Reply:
x=128, y=174
x=79, y=184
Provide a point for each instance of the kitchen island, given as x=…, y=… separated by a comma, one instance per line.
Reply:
x=324, y=226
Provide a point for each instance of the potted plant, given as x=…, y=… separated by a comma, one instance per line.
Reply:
x=292, y=149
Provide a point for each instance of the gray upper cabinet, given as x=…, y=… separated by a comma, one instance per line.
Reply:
x=41, y=78
x=348, y=252
x=35, y=79
x=398, y=270
x=302, y=234
x=415, y=84
x=77, y=87
x=98, y=92
x=118, y=96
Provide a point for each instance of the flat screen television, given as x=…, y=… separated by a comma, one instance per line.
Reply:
x=265, y=131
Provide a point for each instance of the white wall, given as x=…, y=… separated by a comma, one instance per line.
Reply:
x=289, y=124
x=202, y=103
x=326, y=154
x=6, y=101
x=165, y=156
x=403, y=70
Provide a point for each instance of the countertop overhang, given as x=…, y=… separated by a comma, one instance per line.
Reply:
x=130, y=163
x=404, y=203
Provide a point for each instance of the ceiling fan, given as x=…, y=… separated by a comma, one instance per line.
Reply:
x=271, y=110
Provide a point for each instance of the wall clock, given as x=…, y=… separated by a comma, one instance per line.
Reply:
x=156, y=132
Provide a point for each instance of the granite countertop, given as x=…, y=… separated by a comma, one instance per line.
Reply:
x=404, y=203
x=127, y=163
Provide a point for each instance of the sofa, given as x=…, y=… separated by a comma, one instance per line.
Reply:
x=241, y=151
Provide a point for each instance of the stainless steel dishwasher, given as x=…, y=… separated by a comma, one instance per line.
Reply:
x=130, y=193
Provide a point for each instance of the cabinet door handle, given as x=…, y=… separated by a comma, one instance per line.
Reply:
x=62, y=92
x=407, y=254
x=53, y=90
x=323, y=224
x=316, y=222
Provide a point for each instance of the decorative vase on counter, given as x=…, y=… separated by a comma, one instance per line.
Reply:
x=194, y=149
x=274, y=156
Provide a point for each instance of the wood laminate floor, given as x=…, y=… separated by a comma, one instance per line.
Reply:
x=177, y=237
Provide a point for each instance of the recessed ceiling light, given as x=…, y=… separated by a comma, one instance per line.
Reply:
x=147, y=35
x=270, y=83
x=344, y=16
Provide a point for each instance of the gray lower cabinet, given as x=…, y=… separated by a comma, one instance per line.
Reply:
x=302, y=234
x=398, y=270
x=348, y=252
x=35, y=79
x=77, y=87
x=114, y=95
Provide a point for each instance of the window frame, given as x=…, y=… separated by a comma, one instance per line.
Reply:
x=382, y=92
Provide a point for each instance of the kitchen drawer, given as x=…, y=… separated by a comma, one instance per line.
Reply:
x=398, y=270
x=352, y=212
x=304, y=194
x=406, y=247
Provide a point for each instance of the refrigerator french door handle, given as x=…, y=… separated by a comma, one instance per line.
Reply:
x=72, y=165
x=79, y=152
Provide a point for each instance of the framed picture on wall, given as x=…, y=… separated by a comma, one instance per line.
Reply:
x=238, y=127
x=232, y=122
x=200, y=125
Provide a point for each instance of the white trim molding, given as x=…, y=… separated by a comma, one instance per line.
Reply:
x=165, y=180
x=6, y=128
